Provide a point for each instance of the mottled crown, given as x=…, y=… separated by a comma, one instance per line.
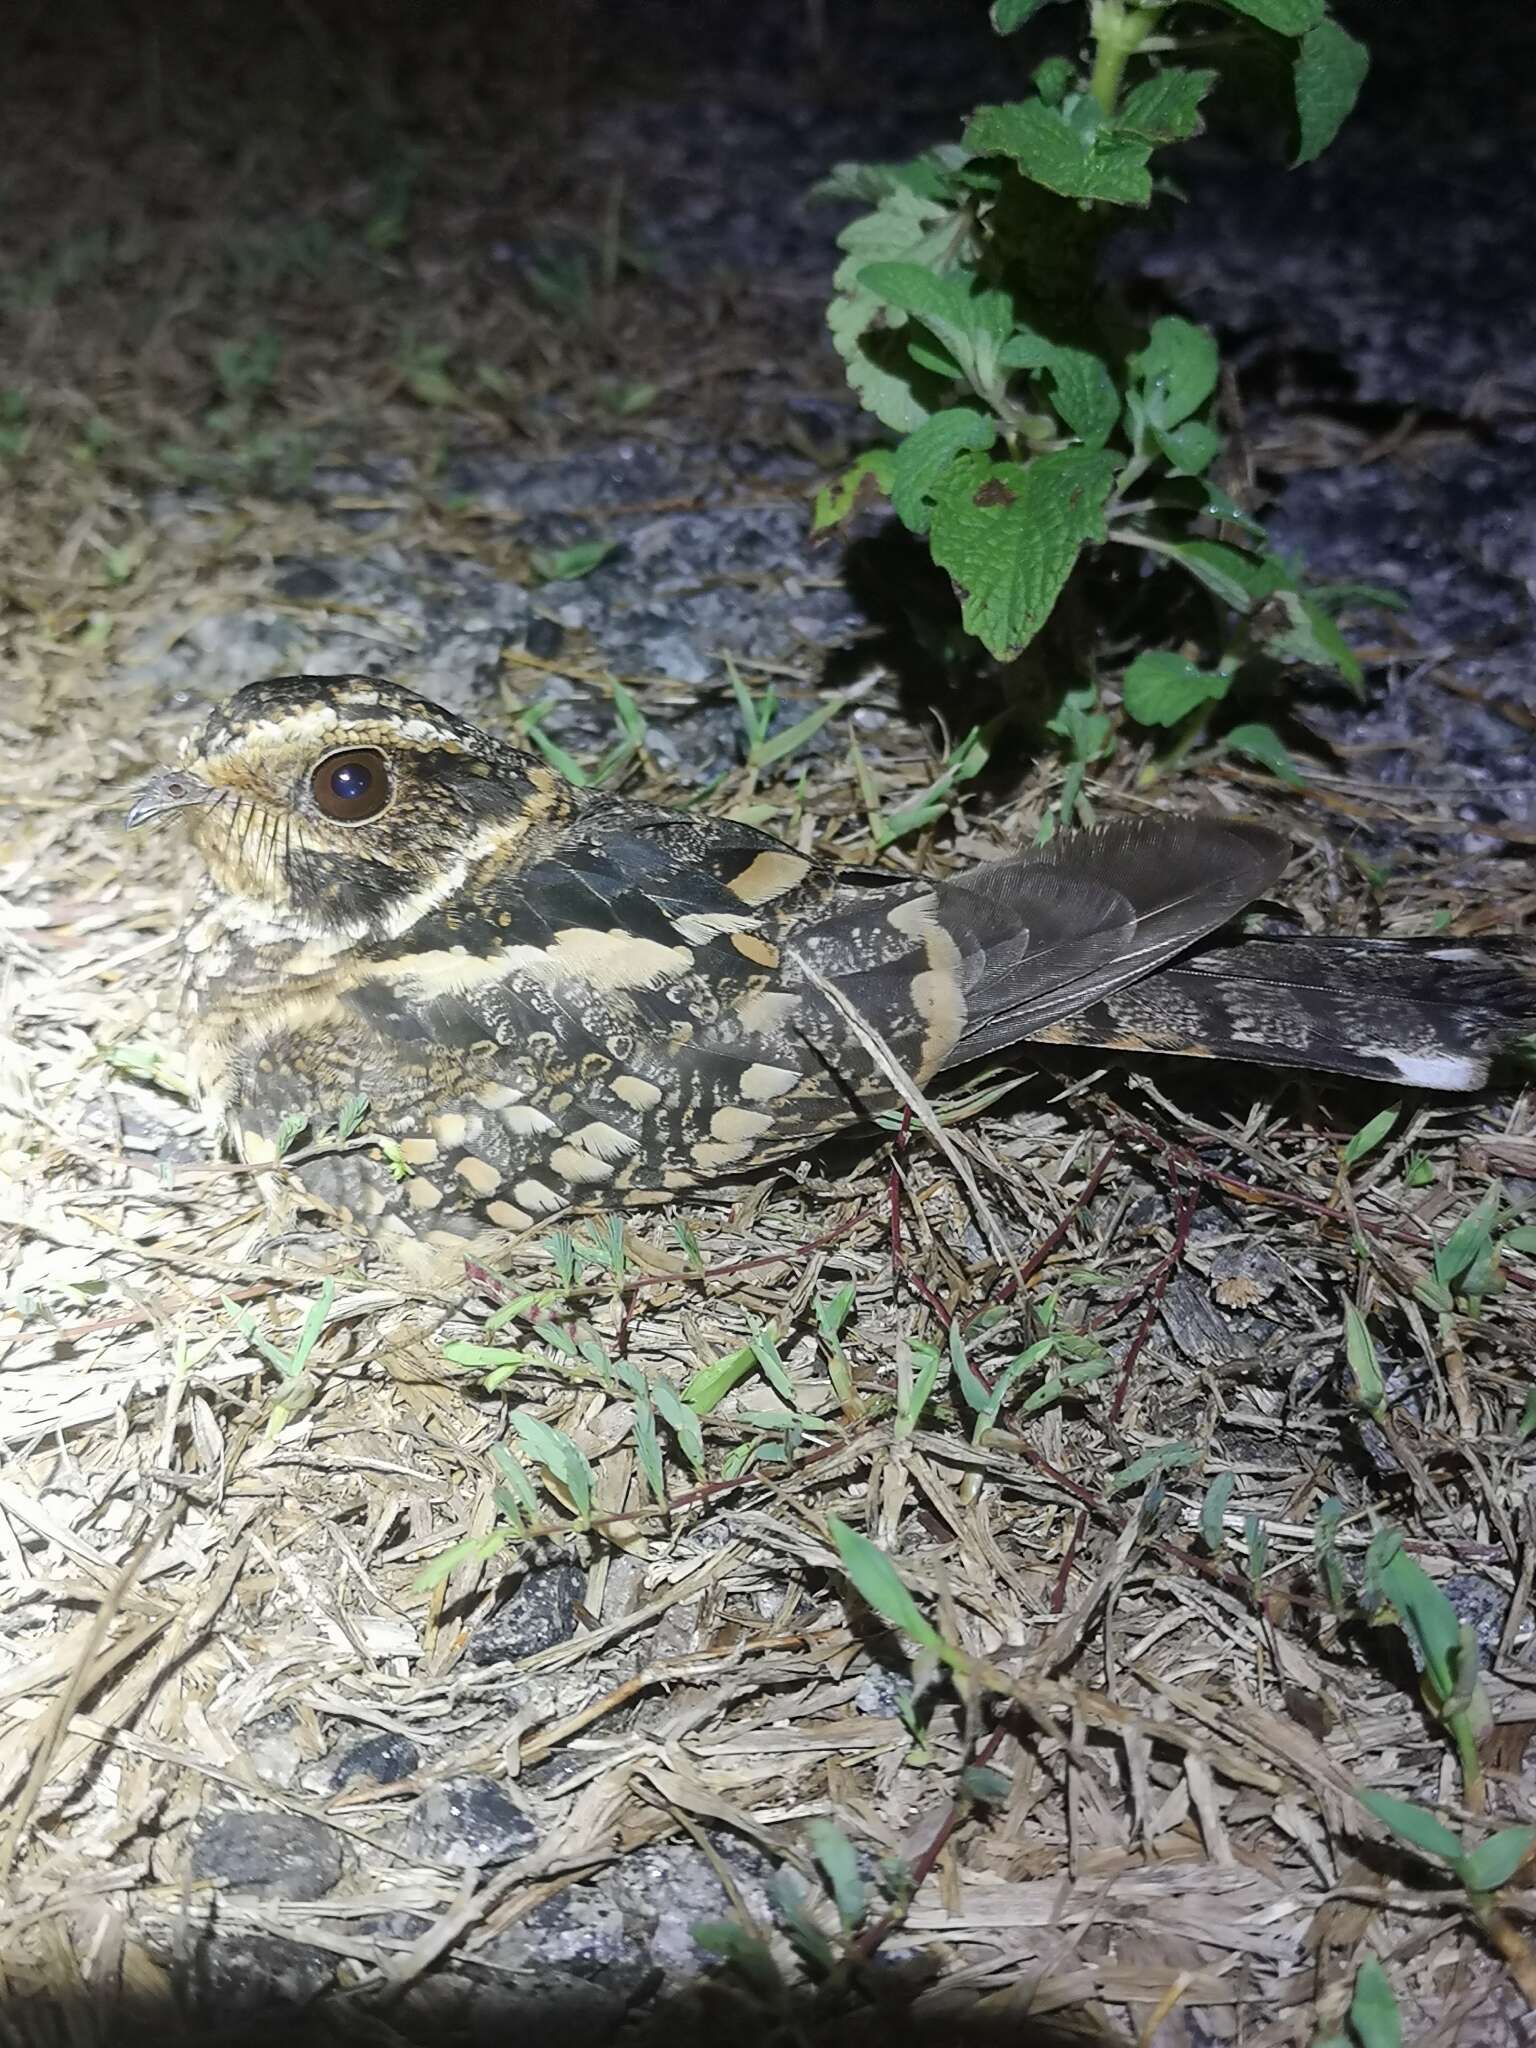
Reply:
x=284, y=706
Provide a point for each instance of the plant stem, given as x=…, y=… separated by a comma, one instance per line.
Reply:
x=1119, y=28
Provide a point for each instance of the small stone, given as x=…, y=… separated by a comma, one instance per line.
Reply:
x=882, y=1693
x=384, y=1758
x=544, y=639
x=306, y=582
x=235, y=1977
x=270, y=1855
x=470, y=1822
x=540, y=1612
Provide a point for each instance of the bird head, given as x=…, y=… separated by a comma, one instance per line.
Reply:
x=327, y=805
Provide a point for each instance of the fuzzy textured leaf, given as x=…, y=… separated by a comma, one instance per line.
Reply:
x=1189, y=449
x=971, y=325
x=1084, y=393
x=924, y=457
x=904, y=226
x=1178, y=369
x=1165, y=107
x=1329, y=72
x=1049, y=150
x=841, y=498
x=1285, y=17
x=1008, y=534
x=1008, y=15
x=1162, y=688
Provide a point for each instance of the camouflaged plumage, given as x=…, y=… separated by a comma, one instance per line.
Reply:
x=551, y=997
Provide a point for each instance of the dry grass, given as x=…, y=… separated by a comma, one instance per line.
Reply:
x=191, y=1547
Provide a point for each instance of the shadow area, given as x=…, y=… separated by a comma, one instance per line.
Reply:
x=453, y=2011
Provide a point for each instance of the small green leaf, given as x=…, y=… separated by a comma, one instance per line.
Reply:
x=971, y=323
x=683, y=1423
x=1188, y=449
x=1369, y=1136
x=515, y=1482
x=1293, y=627
x=745, y=1952
x=567, y=565
x=793, y=737
x=1162, y=688
x=1083, y=393
x=877, y=1582
x=1059, y=1384
x=1049, y=150
x=292, y=1128
x=648, y=1451
x=1238, y=578
x=983, y=1786
x=1161, y=1458
x=1009, y=533
x=1493, y=1863
x=1360, y=1349
x=711, y=1383
x=1329, y=71
x=1212, y=1510
x=1373, y=2014
x=478, y=1357
x=764, y=1348
x=1263, y=744
x=1008, y=15
x=1285, y=17
x=1469, y=1242
x=1525, y=1428
x=1426, y=1834
x=1329, y=1516
x=905, y=225
x=1165, y=107
x=840, y=1863
x=1427, y=1616
x=1054, y=79
x=927, y=453
x=1177, y=370
x=840, y=499
x=561, y=1459
x=807, y=1937
x=350, y=1119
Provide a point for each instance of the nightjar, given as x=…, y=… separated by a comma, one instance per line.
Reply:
x=552, y=997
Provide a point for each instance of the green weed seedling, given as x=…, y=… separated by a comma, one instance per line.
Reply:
x=1037, y=425
x=291, y=1366
x=1399, y=1589
x=1373, y=2019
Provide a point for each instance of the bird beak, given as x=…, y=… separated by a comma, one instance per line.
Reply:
x=173, y=789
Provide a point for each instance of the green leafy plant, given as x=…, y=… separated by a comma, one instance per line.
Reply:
x=1398, y=1588
x=1482, y=1869
x=1373, y=2018
x=1043, y=430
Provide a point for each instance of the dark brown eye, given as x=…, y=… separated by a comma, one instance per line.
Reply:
x=352, y=786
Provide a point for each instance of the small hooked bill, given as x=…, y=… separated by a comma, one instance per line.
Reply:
x=170, y=791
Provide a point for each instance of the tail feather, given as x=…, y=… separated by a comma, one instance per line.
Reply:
x=1417, y=1012
x=1059, y=929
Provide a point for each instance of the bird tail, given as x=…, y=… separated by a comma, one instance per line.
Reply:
x=1418, y=1012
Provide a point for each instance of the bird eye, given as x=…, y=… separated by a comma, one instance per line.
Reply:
x=352, y=786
